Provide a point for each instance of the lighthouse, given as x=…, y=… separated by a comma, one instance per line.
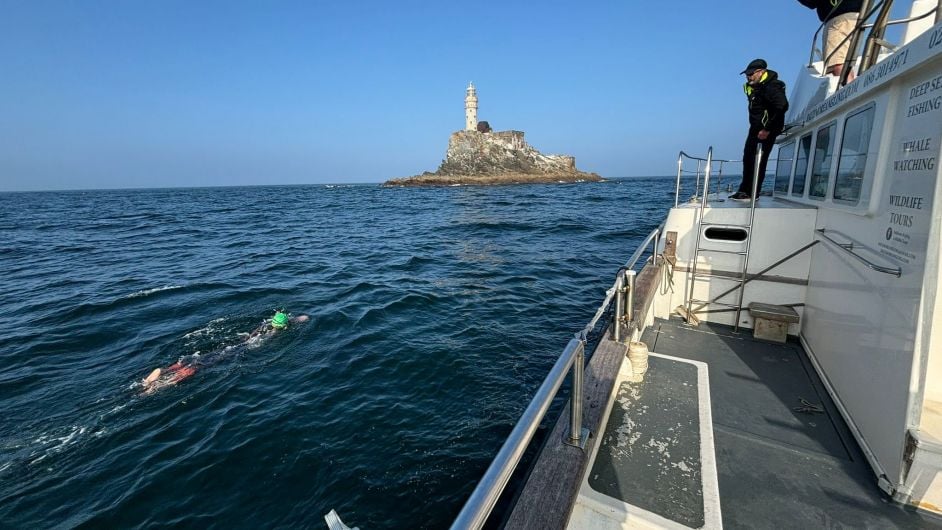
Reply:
x=471, y=109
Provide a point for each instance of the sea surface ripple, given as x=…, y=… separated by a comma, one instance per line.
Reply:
x=435, y=314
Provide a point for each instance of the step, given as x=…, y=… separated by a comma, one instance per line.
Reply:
x=779, y=313
x=737, y=252
x=771, y=321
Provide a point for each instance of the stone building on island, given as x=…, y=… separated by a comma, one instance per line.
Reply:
x=479, y=156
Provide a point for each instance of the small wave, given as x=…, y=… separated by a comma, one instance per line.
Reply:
x=491, y=226
x=412, y=263
x=409, y=303
x=148, y=292
x=569, y=228
x=56, y=443
x=211, y=328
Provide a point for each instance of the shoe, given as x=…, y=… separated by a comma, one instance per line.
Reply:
x=740, y=196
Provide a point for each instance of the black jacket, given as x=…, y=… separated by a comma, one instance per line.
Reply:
x=828, y=9
x=767, y=103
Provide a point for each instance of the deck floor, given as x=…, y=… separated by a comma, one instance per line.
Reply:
x=778, y=466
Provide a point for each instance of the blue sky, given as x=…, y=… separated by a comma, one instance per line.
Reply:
x=119, y=94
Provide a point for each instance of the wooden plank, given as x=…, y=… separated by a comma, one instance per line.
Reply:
x=646, y=285
x=547, y=498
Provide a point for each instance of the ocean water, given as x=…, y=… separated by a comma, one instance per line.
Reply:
x=434, y=315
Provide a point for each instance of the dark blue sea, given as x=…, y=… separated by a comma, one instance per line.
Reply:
x=434, y=315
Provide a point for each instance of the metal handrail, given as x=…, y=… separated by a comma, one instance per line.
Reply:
x=479, y=505
x=906, y=20
x=871, y=51
x=875, y=41
x=680, y=171
x=654, y=235
x=859, y=27
x=876, y=31
x=855, y=36
x=482, y=500
x=625, y=283
x=849, y=248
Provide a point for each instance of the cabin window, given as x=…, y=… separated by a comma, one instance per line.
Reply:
x=801, y=165
x=783, y=168
x=821, y=167
x=854, y=146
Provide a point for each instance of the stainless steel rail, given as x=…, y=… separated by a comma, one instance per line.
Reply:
x=655, y=236
x=875, y=39
x=849, y=248
x=625, y=283
x=485, y=495
x=482, y=500
x=700, y=161
x=852, y=53
x=934, y=10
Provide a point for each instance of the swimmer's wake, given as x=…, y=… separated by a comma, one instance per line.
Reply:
x=186, y=367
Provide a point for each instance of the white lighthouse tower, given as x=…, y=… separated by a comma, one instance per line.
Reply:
x=471, y=109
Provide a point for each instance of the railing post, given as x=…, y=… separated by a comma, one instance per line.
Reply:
x=719, y=178
x=482, y=500
x=871, y=46
x=680, y=165
x=852, y=48
x=578, y=435
x=630, y=309
x=657, y=243
x=706, y=180
x=697, y=191
x=755, y=174
x=619, y=306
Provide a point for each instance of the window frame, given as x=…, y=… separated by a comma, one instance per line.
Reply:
x=804, y=181
x=832, y=140
x=791, y=167
x=863, y=171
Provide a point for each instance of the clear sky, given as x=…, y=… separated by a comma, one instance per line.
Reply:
x=124, y=94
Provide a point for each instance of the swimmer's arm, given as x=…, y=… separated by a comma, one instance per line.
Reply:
x=150, y=379
x=300, y=318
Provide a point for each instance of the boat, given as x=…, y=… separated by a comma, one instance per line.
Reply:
x=770, y=363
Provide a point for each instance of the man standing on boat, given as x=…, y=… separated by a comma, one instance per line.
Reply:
x=840, y=18
x=767, y=106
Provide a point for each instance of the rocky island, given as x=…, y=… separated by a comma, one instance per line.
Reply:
x=479, y=156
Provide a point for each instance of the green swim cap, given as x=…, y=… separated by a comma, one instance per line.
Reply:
x=280, y=320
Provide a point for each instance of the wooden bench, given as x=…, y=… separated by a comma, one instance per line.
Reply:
x=771, y=321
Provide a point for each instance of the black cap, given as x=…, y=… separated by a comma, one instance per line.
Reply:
x=756, y=64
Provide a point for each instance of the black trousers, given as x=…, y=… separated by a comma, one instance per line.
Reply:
x=749, y=159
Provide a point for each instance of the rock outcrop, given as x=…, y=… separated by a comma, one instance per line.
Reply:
x=477, y=158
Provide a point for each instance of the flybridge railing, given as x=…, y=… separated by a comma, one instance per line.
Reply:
x=874, y=41
x=704, y=167
x=482, y=500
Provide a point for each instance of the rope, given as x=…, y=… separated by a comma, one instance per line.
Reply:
x=584, y=334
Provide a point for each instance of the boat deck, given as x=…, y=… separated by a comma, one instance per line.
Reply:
x=776, y=453
x=763, y=202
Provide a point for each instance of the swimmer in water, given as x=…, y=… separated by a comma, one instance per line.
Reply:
x=178, y=371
